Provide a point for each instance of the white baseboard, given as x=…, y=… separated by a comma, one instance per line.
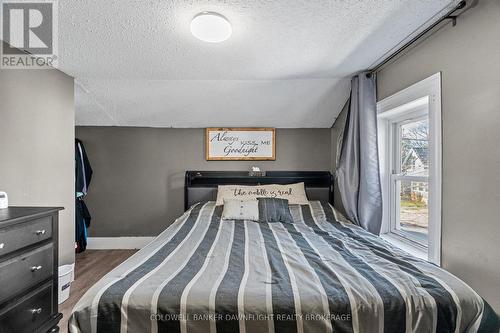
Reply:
x=111, y=243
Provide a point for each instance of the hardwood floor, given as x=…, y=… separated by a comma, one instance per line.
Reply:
x=90, y=266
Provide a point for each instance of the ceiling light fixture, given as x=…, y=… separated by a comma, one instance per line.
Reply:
x=211, y=27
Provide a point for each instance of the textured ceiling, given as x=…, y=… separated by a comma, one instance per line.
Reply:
x=287, y=63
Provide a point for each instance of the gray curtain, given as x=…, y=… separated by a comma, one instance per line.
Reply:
x=358, y=176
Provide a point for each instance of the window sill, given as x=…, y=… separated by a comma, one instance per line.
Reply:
x=407, y=246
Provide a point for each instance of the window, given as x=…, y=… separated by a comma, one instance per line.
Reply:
x=410, y=159
x=409, y=179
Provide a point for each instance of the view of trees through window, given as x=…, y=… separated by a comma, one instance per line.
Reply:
x=414, y=163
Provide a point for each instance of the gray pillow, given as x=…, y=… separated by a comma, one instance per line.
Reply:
x=274, y=210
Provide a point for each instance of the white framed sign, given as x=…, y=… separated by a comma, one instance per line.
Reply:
x=240, y=144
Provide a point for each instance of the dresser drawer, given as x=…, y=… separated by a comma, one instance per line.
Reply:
x=24, y=234
x=26, y=270
x=29, y=313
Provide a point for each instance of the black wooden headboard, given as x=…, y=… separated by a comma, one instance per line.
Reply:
x=202, y=185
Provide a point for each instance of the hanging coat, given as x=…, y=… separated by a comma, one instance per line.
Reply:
x=82, y=168
x=82, y=222
x=83, y=176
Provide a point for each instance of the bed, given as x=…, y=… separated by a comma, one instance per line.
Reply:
x=320, y=273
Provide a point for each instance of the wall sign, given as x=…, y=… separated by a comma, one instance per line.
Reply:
x=240, y=144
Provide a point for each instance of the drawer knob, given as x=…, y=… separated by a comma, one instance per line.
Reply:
x=36, y=268
x=36, y=311
x=40, y=232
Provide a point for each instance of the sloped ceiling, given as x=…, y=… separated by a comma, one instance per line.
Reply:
x=288, y=63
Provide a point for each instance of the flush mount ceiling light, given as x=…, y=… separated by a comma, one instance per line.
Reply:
x=211, y=27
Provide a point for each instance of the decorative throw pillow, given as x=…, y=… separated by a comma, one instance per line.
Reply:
x=274, y=210
x=294, y=193
x=240, y=210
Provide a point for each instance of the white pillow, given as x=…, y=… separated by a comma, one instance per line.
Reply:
x=294, y=193
x=240, y=210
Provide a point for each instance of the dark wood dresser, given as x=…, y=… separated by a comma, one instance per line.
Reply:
x=28, y=269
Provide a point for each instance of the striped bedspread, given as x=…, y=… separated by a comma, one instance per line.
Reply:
x=318, y=274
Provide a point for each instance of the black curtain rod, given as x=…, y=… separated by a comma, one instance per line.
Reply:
x=448, y=16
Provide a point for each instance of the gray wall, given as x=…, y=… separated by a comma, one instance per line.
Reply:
x=138, y=183
x=37, y=163
x=468, y=56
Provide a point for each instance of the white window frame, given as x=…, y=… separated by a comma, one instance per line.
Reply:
x=421, y=98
